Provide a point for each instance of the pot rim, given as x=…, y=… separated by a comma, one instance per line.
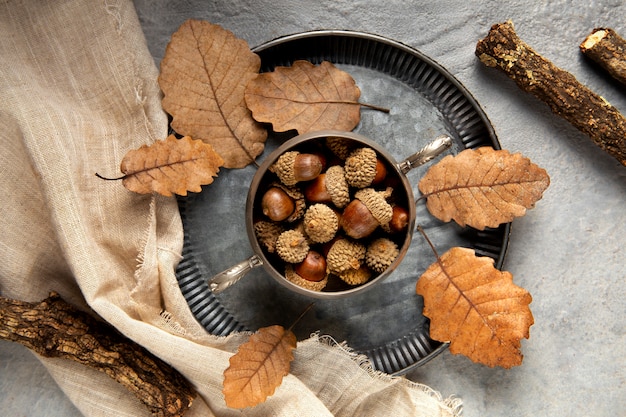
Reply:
x=260, y=174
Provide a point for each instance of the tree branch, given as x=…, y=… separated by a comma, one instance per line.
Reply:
x=608, y=49
x=566, y=96
x=54, y=328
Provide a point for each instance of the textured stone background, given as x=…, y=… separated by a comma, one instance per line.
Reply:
x=568, y=252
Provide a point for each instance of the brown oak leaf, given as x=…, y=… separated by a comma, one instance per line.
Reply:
x=305, y=97
x=476, y=308
x=483, y=187
x=258, y=367
x=203, y=77
x=170, y=166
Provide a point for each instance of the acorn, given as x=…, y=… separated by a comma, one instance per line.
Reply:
x=276, y=204
x=316, y=191
x=363, y=168
x=293, y=167
x=292, y=246
x=345, y=254
x=366, y=212
x=381, y=172
x=329, y=187
x=320, y=223
x=380, y=254
x=356, y=276
x=340, y=147
x=399, y=220
x=283, y=203
x=294, y=277
x=313, y=267
x=267, y=233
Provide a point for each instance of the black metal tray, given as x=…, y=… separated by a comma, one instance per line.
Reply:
x=386, y=322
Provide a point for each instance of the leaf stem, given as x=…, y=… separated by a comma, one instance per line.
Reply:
x=306, y=310
x=110, y=179
x=421, y=230
x=374, y=107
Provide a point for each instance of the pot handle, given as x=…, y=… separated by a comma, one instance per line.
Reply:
x=225, y=279
x=428, y=152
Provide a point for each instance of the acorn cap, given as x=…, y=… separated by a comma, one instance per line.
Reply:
x=292, y=276
x=376, y=202
x=320, y=223
x=381, y=253
x=339, y=146
x=298, y=198
x=337, y=186
x=293, y=166
x=356, y=276
x=267, y=233
x=345, y=254
x=361, y=167
x=292, y=246
x=284, y=167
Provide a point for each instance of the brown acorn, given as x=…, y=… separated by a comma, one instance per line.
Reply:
x=329, y=187
x=381, y=172
x=294, y=277
x=366, y=212
x=312, y=268
x=357, y=221
x=293, y=167
x=399, y=220
x=277, y=205
x=307, y=166
x=316, y=191
x=363, y=168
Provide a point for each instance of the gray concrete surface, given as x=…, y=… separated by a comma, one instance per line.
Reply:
x=568, y=252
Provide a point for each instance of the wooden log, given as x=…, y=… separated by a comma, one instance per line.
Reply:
x=608, y=49
x=561, y=91
x=54, y=328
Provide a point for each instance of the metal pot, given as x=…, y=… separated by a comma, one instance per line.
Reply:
x=228, y=277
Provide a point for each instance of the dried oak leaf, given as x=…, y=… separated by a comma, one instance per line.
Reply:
x=476, y=308
x=170, y=166
x=483, y=187
x=258, y=367
x=203, y=76
x=305, y=97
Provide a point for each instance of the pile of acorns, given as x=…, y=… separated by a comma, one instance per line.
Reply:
x=328, y=209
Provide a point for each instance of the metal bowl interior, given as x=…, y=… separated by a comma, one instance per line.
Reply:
x=260, y=181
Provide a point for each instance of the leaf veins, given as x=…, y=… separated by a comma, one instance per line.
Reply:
x=305, y=97
x=258, y=367
x=476, y=307
x=203, y=76
x=483, y=187
x=170, y=166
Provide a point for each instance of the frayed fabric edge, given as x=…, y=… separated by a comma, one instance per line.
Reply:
x=454, y=404
x=145, y=238
x=231, y=343
x=167, y=322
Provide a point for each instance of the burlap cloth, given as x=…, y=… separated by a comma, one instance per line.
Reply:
x=77, y=91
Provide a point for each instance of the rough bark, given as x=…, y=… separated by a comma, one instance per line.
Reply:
x=54, y=328
x=560, y=90
x=608, y=49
